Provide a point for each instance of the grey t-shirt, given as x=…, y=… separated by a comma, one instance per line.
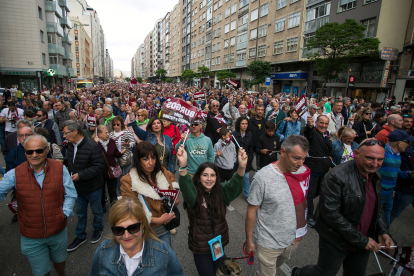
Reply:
x=275, y=226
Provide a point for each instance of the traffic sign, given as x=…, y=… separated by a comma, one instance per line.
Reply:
x=351, y=81
x=267, y=81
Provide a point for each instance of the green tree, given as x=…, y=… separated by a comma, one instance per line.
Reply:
x=139, y=79
x=204, y=72
x=335, y=44
x=169, y=80
x=161, y=74
x=188, y=75
x=128, y=79
x=247, y=83
x=225, y=74
x=259, y=70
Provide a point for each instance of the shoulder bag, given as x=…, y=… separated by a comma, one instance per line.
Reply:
x=113, y=171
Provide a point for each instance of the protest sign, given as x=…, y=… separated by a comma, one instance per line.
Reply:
x=178, y=111
x=221, y=119
x=300, y=107
x=168, y=198
x=199, y=96
x=232, y=83
x=273, y=115
x=201, y=117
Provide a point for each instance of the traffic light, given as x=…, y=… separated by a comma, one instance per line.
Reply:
x=351, y=81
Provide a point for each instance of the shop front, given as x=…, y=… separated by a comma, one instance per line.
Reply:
x=291, y=83
x=20, y=78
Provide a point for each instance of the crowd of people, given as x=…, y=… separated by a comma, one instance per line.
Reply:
x=107, y=147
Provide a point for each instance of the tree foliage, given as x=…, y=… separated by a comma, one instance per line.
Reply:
x=188, y=75
x=204, y=72
x=161, y=74
x=128, y=79
x=139, y=79
x=337, y=44
x=247, y=83
x=225, y=74
x=259, y=70
x=169, y=80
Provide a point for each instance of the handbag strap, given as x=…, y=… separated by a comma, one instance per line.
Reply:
x=104, y=156
x=145, y=203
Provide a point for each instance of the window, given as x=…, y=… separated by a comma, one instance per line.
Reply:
x=253, y=34
x=220, y=3
x=233, y=25
x=76, y=37
x=213, y=48
x=264, y=9
x=241, y=41
x=227, y=13
x=232, y=41
x=278, y=47
x=225, y=58
x=243, y=3
x=280, y=25
x=233, y=8
x=226, y=28
x=213, y=61
x=281, y=4
x=218, y=32
x=263, y=30
x=44, y=58
x=254, y=15
x=77, y=59
x=76, y=48
x=345, y=5
x=369, y=25
x=40, y=15
x=219, y=46
x=292, y=44
x=261, y=51
x=219, y=16
x=78, y=70
x=244, y=19
x=241, y=58
x=226, y=44
x=252, y=52
x=42, y=36
x=318, y=11
x=369, y=1
x=294, y=20
x=215, y=6
x=231, y=57
x=293, y=1
x=218, y=61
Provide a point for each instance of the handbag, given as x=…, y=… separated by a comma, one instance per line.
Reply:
x=175, y=222
x=113, y=171
x=125, y=162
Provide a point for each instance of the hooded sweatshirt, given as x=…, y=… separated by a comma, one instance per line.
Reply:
x=199, y=150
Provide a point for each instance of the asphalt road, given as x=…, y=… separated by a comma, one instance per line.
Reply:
x=13, y=262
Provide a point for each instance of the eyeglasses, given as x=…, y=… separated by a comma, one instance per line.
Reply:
x=139, y=115
x=66, y=133
x=368, y=113
x=372, y=143
x=24, y=135
x=132, y=229
x=38, y=151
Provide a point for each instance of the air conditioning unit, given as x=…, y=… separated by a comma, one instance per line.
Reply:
x=278, y=69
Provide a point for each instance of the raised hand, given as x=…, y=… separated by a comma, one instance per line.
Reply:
x=182, y=156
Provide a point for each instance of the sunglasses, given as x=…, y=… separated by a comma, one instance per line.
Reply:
x=372, y=143
x=215, y=105
x=117, y=124
x=368, y=113
x=39, y=115
x=38, y=151
x=196, y=124
x=132, y=229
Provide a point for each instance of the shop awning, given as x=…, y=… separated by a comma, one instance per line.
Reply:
x=290, y=76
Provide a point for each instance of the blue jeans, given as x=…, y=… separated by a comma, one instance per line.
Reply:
x=94, y=199
x=166, y=238
x=246, y=184
x=387, y=202
x=2, y=135
x=401, y=201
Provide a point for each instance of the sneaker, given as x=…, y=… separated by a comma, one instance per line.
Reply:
x=97, y=235
x=14, y=218
x=173, y=231
x=75, y=244
x=311, y=223
x=230, y=208
x=294, y=269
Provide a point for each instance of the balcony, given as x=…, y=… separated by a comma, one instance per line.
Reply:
x=241, y=45
x=65, y=4
x=242, y=28
x=71, y=72
x=70, y=41
x=311, y=2
x=59, y=69
x=68, y=56
x=54, y=28
x=52, y=6
x=56, y=49
x=66, y=21
x=244, y=10
x=313, y=25
x=305, y=51
x=241, y=63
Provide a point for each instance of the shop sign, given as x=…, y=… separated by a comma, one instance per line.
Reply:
x=18, y=73
x=267, y=81
x=290, y=75
x=385, y=73
x=387, y=53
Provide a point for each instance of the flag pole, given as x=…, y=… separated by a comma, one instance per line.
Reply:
x=379, y=265
x=185, y=139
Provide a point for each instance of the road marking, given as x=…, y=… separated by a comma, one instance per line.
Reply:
x=286, y=269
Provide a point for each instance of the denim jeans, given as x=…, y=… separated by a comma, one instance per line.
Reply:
x=2, y=135
x=94, y=199
x=246, y=184
x=331, y=259
x=401, y=201
x=387, y=202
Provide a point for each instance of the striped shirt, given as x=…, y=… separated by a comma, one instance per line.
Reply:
x=390, y=169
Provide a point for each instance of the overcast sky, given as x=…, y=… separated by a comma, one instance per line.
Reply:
x=126, y=23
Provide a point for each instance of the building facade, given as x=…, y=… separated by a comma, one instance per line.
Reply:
x=82, y=50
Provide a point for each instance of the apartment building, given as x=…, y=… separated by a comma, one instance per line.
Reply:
x=109, y=67
x=186, y=34
x=82, y=61
x=175, y=43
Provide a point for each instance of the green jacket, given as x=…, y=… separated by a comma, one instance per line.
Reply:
x=231, y=189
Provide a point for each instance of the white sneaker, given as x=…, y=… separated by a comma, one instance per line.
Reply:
x=230, y=208
x=173, y=231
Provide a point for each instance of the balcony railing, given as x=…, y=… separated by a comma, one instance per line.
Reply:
x=65, y=4
x=305, y=51
x=243, y=10
x=59, y=69
x=312, y=26
x=54, y=28
x=70, y=41
x=56, y=49
x=310, y=2
x=242, y=28
x=71, y=72
x=53, y=6
x=66, y=21
x=241, y=45
x=241, y=63
x=68, y=56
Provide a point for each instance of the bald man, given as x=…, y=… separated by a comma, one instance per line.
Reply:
x=394, y=122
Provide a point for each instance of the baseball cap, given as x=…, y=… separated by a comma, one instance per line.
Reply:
x=313, y=106
x=399, y=135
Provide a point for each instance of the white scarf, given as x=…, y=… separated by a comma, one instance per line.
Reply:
x=104, y=144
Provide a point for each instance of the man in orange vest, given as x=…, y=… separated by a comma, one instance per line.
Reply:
x=46, y=195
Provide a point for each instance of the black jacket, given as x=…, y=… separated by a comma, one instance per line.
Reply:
x=318, y=148
x=341, y=204
x=89, y=164
x=406, y=185
x=257, y=128
x=246, y=144
x=212, y=126
x=360, y=128
x=270, y=143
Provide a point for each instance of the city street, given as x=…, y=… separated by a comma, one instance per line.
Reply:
x=12, y=261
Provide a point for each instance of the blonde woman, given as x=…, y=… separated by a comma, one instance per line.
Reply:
x=133, y=248
x=344, y=147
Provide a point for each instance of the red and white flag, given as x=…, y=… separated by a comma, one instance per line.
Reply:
x=221, y=119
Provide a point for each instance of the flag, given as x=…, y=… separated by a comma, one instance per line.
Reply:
x=273, y=115
x=221, y=119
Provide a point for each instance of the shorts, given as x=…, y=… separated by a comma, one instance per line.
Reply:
x=40, y=252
